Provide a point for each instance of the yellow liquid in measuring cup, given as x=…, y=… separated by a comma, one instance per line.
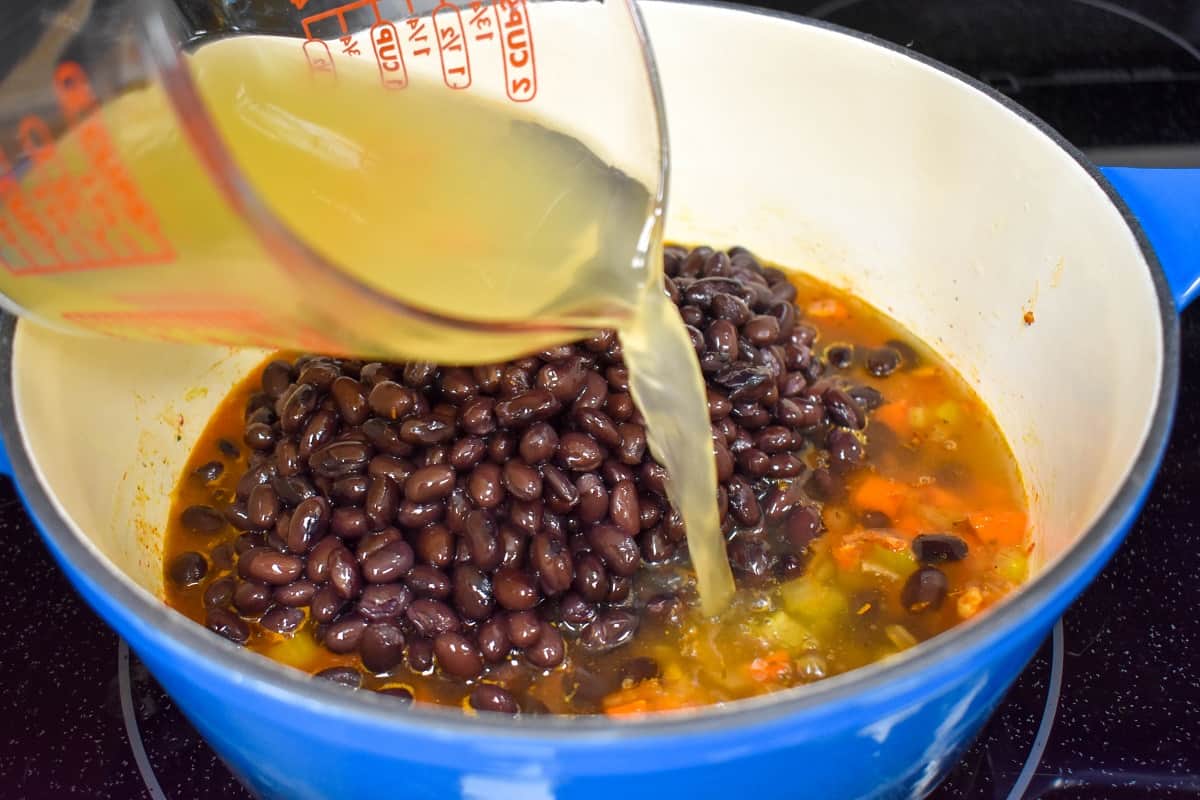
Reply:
x=426, y=195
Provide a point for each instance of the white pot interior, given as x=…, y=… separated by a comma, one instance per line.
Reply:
x=818, y=151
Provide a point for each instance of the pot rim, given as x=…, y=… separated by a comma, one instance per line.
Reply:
x=881, y=679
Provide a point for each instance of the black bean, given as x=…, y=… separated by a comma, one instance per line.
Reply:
x=418, y=515
x=486, y=486
x=228, y=448
x=342, y=676
x=344, y=573
x=514, y=544
x=532, y=406
x=382, y=501
x=344, y=635
x=219, y=593
x=457, y=655
x=307, y=524
x=936, y=547
x=262, y=506
x=225, y=623
x=251, y=598
x=325, y=604
x=548, y=649
x=655, y=546
x=524, y=627
x=276, y=378
x=349, y=523
x=426, y=430
x=579, y=452
x=282, y=619
x=270, y=566
x=575, y=610
x=593, y=498
x=552, y=562
x=385, y=437
x=633, y=443
x=743, y=383
x=743, y=503
x=209, y=471
x=202, y=519
x=381, y=646
x=515, y=589
x=784, y=465
x=868, y=397
x=434, y=544
x=842, y=409
x=762, y=330
x=750, y=560
x=846, y=452
x=480, y=537
x=339, y=459
x=486, y=697
x=617, y=548
x=187, y=569
x=721, y=339
x=389, y=563
x=391, y=466
x=803, y=526
x=493, y=639
x=295, y=406
x=295, y=594
x=473, y=593
x=883, y=361
x=824, y=485
x=609, y=631
x=522, y=481
x=623, y=508
x=563, y=380
x=458, y=385
x=476, y=417
x=431, y=617
x=384, y=601
x=430, y=483
x=467, y=452
x=925, y=590
x=427, y=581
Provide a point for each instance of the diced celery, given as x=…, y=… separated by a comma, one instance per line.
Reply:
x=894, y=564
x=813, y=602
x=782, y=630
x=1011, y=564
x=900, y=636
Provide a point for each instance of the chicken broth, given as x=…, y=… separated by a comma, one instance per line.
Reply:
x=435, y=534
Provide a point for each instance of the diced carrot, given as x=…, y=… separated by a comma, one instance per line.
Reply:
x=910, y=523
x=771, y=668
x=627, y=709
x=895, y=416
x=848, y=556
x=942, y=498
x=828, y=308
x=880, y=494
x=1005, y=526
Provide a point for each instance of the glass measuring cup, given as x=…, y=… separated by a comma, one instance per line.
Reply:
x=375, y=177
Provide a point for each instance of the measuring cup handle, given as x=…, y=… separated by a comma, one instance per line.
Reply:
x=1167, y=204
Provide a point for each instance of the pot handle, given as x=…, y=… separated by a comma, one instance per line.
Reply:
x=1167, y=204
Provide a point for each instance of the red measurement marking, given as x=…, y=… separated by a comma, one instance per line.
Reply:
x=320, y=60
x=452, y=45
x=220, y=326
x=349, y=46
x=481, y=21
x=299, y=4
x=417, y=33
x=385, y=40
x=79, y=211
x=516, y=44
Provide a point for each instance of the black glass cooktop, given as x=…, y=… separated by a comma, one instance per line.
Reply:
x=1110, y=708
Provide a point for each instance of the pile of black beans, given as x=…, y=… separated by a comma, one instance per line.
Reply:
x=455, y=517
